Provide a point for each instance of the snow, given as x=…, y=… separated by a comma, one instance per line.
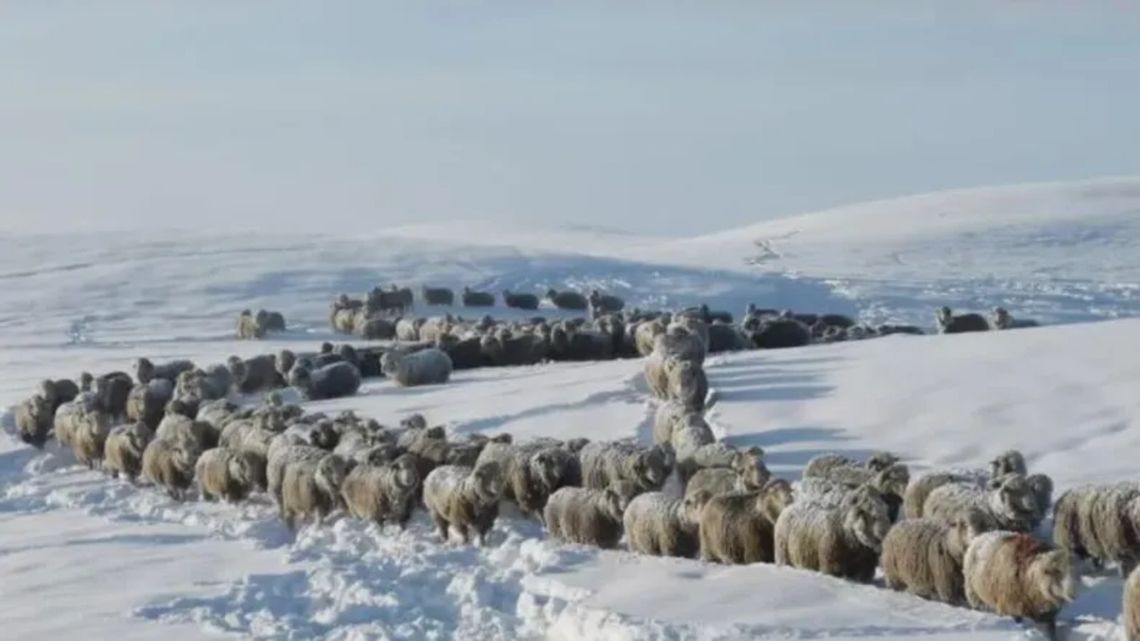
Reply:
x=82, y=552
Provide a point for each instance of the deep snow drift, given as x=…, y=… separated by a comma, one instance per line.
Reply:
x=128, y=561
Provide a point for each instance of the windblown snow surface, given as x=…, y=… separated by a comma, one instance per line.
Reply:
x=85, y=557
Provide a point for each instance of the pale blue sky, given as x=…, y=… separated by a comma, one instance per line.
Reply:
x=666, y=116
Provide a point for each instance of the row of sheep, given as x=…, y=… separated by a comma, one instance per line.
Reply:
x=397, y=301
x=963, y=536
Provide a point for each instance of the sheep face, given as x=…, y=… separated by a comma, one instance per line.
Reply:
x=330, y=473
x=284, y=361
x=241, y=468
x=966, y=528
x=893, y=480
x=1043, y=489
x=693, y=504
x=548, y=465
x=1008, y=462
x=1054, y=575
x=776, y=497
x=488, y=482
x=880, y=461
x=324, y=435
x=866, y=517
x=945, y=316
x=406, y=474
x=1015, y=496
x=750, y=468
x=651, y=467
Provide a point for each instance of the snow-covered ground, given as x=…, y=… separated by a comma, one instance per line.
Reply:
x=83, y=556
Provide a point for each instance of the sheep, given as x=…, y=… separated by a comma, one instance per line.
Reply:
x=169, y=463
x=217, y=413
x=747, y=473
x=924, y=556
x=90, y=437
x=520, y=301
x=284, y=450
x=948, y=323
x=779, y=333
x=688, y=384
x=375, y=328
x=726, y=338
x=123, y=450
x=1015, y=574
x=656, y=370
x=331, y=381
x=408, y=329
x=36, y=414
x=821, y=466
x=689, y=437
x=254, y=374
x=604, y=463
x=694, y=326
x=311, y=489
x=146, y=370
x=1100, y=522
x=738, y=527
x=174, y=424
x=70, y=415
x=658, y=525
x=212, y=384
x=880, y=472
x=747, y=461
x=567, y=300
x=465, y=498
x=270, y=321
x=604, y=303
x=111, y=392
x=1011, y=502
x=147, y=401
x=533, y=471
x=437, y=296
x=588, y=517
x=248, y=327
x=1007, y=462
x=473, y=298
x=645, y=335
x=842, y=541
x=680, y=344
x=380, y=493
x=425, y=367
x=1131, y=607
x=228, y=473
x=1003, y=320
x=670, y=416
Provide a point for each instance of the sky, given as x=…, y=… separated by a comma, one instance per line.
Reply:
x=664, y=117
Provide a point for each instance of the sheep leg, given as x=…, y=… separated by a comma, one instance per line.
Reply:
x=1049, y=626
x=1127, y=564
x=440, y=525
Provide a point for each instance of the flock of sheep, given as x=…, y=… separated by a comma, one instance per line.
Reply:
x=965, y=537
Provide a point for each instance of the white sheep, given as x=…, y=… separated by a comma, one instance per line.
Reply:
x=381, y=493
x=425, y=367
x=464, y=498
x=659, y=525
x=841, y=541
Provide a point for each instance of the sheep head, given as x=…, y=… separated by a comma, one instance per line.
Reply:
x=1054, y=576
x=865, y=516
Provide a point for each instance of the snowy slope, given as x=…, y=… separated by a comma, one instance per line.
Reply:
x=136, y=564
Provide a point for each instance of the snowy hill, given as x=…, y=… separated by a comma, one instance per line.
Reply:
x=126, y=562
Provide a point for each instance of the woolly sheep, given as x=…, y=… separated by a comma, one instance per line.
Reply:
x=464, y=498
x=425, y=367
x=212, y=384
x=284, y=450
x=217, y=413
x=311, y=489
x=586, y=516
x=147, y=401
x=748, y=473
x=658, y=525
x=726, y=338
x=270, y=321
x=227, y=473
x=69, y=416
x=1131, y=607
x=169, y=463
x=375, y=328
x=680, y=344
x=948, y=323
x=380, y=493
x=35, y=416
x=175, y=425
x=567, y=300
x=437, y=295
x=248, y=327
x=331, y=381
x=531, y=472
x=1099, y=522
x=123, y=450
x=600, y=303
x=146, y=370
x=739, y=527
x=111, y=392
x=645, y=336
x=686, y=440
x=254, y=374
x=670, y=416
x=688, y=384
x=656, y=370
x=841, y=541
x=924, y=556
x=1007, y=462
x=1003, y=320
x=604, y=463
x=90, y=437
x=473, y=298
x=1017, y=575
x=821, y=465
x=694, y=326
x=1011, y=503
x=519, y=301
x=408, y=329
x=748, y=462
x=779, y=333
